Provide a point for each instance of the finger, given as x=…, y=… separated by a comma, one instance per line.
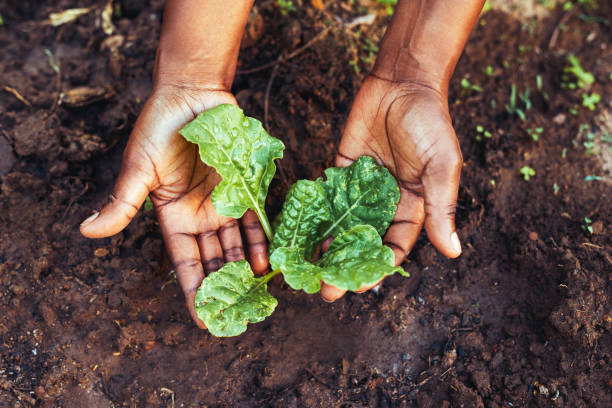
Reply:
x=406, y=226
x=331, y=293
x=210, y=251
x=441, y=185
x=231, y=241
x=131, y=189
x=256, y=243
x=185, y=256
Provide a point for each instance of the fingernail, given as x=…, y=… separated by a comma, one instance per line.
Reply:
x=456, y=244
x=90, y=219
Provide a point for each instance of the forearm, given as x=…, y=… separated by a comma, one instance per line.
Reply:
x=425, y=39
x=200, y=41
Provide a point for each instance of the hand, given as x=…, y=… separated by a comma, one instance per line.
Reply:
x=406, y=127
x=161, y=163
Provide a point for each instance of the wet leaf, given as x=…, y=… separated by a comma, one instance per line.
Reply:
x=297, y=272
x=363, y=193
x=242, y=152
x=232, y=297
x=298, y=225
x=357, y=258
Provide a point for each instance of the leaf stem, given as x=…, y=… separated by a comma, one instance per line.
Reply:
x=263, y=219
x=269, y=276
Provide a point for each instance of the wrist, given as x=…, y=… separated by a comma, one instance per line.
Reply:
x=174, y=68
x=424, y=41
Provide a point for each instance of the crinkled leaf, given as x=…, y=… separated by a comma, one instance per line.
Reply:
x=305, y=209
x=357, y=258
x=241, y=151
x=363, y=193
x=297, y=272
x=232, y=297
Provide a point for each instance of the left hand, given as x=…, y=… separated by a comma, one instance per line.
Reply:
x=407, y=128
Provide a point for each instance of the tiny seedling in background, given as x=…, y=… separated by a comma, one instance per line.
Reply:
x=535, y=133
x=489, y=70
x=482, y=133
x=467, y=86
x=527, y=172
x=389, y=5
x=583, y=77
x=148, y=204
x=590, y=101
x=556, y=188
x=512, y=107
x=587, y=227
x=285, y=6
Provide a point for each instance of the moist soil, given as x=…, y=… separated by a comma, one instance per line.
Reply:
x=522, y=318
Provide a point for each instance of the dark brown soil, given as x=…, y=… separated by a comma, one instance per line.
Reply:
x=522, y=318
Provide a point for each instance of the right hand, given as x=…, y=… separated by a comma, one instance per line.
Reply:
x=161, y=163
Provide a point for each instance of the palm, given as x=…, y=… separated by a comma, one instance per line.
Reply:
x=407, y=128
x=160, y=162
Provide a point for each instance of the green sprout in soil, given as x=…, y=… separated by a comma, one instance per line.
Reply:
x=590, y=101
x=354, y=204
x=389, y=5
x=583, y=77
x=148, y=204
x=1, y=20
x=512, y=107
x=527, y=172
x=482, y=133
x=467, y=86
x=535, y=133
x=489, y=70
x=556, y=188
x=285, y=6
x=586, y=227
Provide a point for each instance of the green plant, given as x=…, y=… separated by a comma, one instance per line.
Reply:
x=489, y=71
x=527, y=172
x=285, y=6
x=586, y=227
x=512, y=107
x=590, y=101
x=583, y=77
x=389, y=5
x=354, y=204
x=467, y=86
x=535, y=133
x=482, y=133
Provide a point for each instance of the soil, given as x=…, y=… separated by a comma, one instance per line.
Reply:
x=522, y=318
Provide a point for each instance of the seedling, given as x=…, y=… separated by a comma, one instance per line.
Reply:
x=527, y=172
x=285, y=6
x=389, y=5
x=467, y=86
x=583, y=77
x=148, y=204
x=535, y=133
x=586, y=227
x=512, y=107
x=590, y=101
x=355, y=205
x=489, y=70
x=556, y=188
x=482, y=133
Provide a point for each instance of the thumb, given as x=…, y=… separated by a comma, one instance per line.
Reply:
x=131, y=189
x=441, y=185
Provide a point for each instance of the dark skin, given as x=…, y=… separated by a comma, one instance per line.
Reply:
x=400, y=117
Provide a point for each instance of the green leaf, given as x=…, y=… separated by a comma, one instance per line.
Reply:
x=363, y=193
x=232, y=297
x=297, y=272
x=357, y=258
x=299, y=224
x=242, y=152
